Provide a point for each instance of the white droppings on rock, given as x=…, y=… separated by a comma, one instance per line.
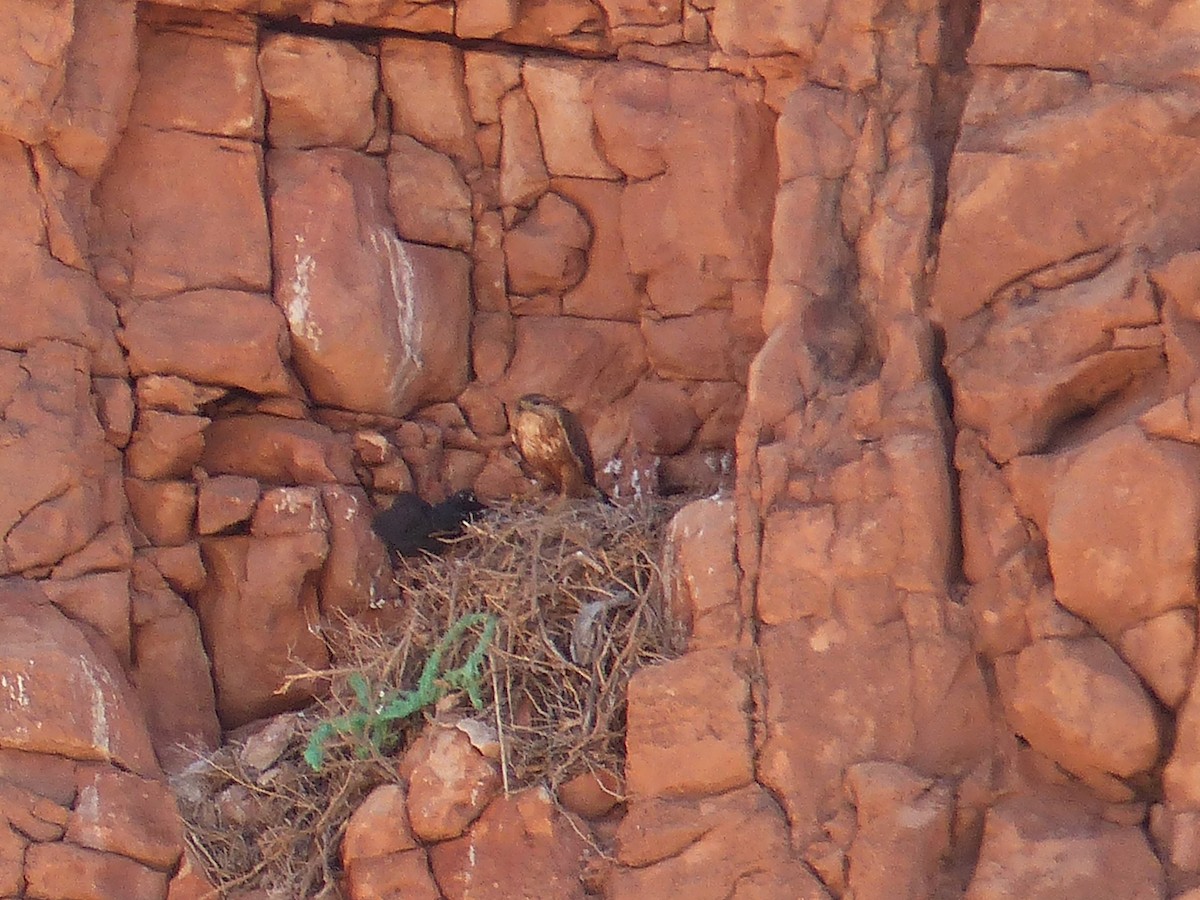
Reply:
x=14, y=686
x=298, y=312
x=97, y=681
x=295, y=500
x=87, y=806
x=826, y=636
x=644, y=479
x=403, y=279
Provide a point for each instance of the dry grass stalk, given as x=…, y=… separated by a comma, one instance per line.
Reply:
x=577, y=591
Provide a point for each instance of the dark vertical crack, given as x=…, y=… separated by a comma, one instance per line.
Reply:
x=264, y=181
x=951, y=84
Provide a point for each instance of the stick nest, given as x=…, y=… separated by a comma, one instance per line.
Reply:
x=577, y=592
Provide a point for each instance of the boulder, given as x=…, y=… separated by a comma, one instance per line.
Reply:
x=160, y=188
x=378, y=325
x=427, y=196
x=488, y=77
x=378, y=827
x=1109, y=143
x=118, y=812
x=224, y=501
x=164, y=511
x=100, y=601
x=688, y=732
x=548, y=251
x=90, y=112
x=1123, y=530
x=259, y=615
x=357, y=576
x=320, y=93
x=1046, y=850
x=903, y=831
x=522, y=845
x=426, y=84
x=53, y=457
x=165, y=445
x=64, y=869
x=289, y=510
x=560, y=91
x=229, y=338
x=586, y=363
x=205, y=82
x=1018, y=35
x=484, y=18
x=274, y=449
x=450, y=784
x=173, y=676
x=64, y=693
x=695, y=348
x=608, y=290
x=710, y=847
x=34, y=41
x=702, y=574
x=523, y=173
x=700, y=220
x=1079, y=704
x=808, y=742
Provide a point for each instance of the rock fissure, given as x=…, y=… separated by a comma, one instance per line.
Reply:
x=365, y=34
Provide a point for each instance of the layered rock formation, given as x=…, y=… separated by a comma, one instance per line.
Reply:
x=923, y=276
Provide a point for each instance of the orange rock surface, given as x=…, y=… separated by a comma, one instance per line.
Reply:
x=912, y=290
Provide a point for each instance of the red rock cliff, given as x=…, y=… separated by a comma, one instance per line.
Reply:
x=920, y=278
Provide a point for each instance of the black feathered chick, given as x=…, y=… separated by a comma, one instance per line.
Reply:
x=411, y=525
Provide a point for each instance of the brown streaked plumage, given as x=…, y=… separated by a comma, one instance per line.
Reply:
x=554, y=446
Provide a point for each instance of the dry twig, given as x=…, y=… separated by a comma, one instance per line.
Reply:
x=577, y=591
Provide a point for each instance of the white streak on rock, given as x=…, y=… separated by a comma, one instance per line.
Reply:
x=298, y=313
x=15, y=687
x=97, y=681
x=403, y=279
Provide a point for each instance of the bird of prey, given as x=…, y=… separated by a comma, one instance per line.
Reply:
x=554, y=447
x=411, y=525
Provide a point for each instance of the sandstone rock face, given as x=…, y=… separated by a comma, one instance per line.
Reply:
x=86, y=812
x=710, y=848
x=903, y=831
x=172, y=672
x=522, y=846
x=702, y=594
x=34, y=77
x=1035, y=849
x=428, y=198
x=1079, y=704
x=194, y=335
x=687, y=727
x=913, y=286
x=271, y=448
x=81, y=707
x=402, y=339
x=319, y=93
x=54, y=458
x=1071, y=358
x=158, y=186
x=258, y=612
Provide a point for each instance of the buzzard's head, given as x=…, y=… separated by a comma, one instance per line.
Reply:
x=535, y=402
